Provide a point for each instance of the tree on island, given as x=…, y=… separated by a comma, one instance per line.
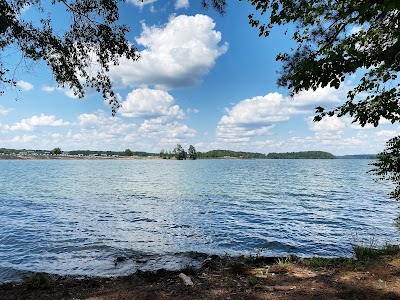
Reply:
x=128, y=152
x=56, y=151
x=192, y=153
x=336, y=39
x=179, y=152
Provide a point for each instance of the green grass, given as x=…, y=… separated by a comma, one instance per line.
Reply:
x=348, y=263
x=362, y=256
x=39, y=281
x=283, y=262
x=366, y=253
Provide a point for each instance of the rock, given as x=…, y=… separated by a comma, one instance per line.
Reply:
x=141, y=260
x=186, y=279
x=119, y=259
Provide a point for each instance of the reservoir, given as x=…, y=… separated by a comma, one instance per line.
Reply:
x=76, y=217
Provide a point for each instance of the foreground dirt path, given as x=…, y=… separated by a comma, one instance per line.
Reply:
x=261, y=278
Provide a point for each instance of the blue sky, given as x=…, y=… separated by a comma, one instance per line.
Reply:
x=203, y=79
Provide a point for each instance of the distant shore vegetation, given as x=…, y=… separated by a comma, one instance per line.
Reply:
x=302, y=155
x=178, y=153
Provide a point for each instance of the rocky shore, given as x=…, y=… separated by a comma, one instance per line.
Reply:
x=251, y=278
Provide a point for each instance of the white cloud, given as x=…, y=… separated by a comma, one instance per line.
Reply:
x=100, y=131
x=4, y=111
x=102, y=121
x=88, y=120
x=70, y=93
x=48, y=89
x=36, y=121
x=321, y=96
x=326, y=124
x=255, y=117
x=26, y=86
x=181, y=4
x=24, y=139
x=148, y=103
x=166, y=132
x=141, y=3
x=176, y=55
x=387, y=133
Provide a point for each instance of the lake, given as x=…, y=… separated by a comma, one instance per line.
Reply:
x=77, y=216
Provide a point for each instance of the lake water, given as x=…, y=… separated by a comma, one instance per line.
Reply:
x=77, y=216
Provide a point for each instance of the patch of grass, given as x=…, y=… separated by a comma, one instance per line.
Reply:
x=319, y=262
x=39, y=281
x=253, y=281
x=283, y=262
x=366, y=253
x=390, y=250
x=235, y=264
x=348, y=263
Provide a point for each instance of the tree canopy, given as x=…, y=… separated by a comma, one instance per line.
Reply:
x=192, y=153
x=79, y=57
x=301, y=155
x=56, y=151
x=179, y=152
x=335, y=39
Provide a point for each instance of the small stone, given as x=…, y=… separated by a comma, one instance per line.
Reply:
x=186, y=279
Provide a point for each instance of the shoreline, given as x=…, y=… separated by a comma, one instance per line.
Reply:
x=253, y=278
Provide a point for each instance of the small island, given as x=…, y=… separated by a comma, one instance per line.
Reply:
x=302, y=155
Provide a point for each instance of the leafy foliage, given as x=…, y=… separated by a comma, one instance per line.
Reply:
x=128, y=152
x=79, y=57
x=192, y=152
x=337, y=38
x=179, y=152
x=388, y=165
x=56, y=151
x=229, y=154
x=301, y=155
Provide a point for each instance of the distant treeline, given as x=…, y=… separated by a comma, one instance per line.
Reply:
x=111, y=153
x=358, y=156
x=18, y=151
x=209, y=154
x=302, y=155
x=230, y=154
x=127, y=152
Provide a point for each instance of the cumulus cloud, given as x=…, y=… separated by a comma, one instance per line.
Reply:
x=36, y=121
x=255, y=117
x=176, y=55
x=321, y=96
x=48, y=89
x=173, y=132
x=141, y=3
x=26, y=86
x=4, y=111
x=181, y=4
x=326, y=124
x=148, y=103
x=387, y=133
x=102, y=121
x=99, y=130
x=24, y=139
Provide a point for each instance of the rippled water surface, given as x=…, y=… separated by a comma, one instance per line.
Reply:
x=77, y=217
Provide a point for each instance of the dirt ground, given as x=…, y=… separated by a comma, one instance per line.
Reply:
x=234, y=278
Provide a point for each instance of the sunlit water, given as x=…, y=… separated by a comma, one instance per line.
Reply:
x=76, y=217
